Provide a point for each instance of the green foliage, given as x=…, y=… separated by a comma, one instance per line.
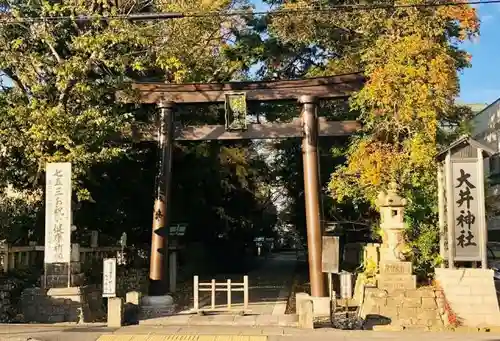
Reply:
x=18, y=217
x=370, y=271
x=62, y=107
x=425, y=254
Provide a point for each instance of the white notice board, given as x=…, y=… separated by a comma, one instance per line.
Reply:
x=109, y=278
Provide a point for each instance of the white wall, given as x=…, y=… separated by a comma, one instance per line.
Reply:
x=486, y=126
x=486, y=130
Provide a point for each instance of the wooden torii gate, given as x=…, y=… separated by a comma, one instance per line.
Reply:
x=308, y=127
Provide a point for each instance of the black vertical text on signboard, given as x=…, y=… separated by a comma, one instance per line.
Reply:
x=58, y=232
x=466, y=219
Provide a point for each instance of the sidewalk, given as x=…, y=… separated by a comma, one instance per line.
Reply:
x=220, y=333
x=55, y=332
x=269, y=288
x=216, y=333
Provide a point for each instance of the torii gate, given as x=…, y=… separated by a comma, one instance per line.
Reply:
x=309, y=127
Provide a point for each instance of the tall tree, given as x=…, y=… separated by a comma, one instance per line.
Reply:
x=66, y=65
x=410, y=56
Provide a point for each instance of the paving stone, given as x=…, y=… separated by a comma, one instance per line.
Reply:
x=245, y=320
x=209, y=330
x=167, y=321
x=224, y=320
x=388, y=328
x=251, y=331
x=266, y=320
x=272, y=331
x=288, y=321
x=201, y=320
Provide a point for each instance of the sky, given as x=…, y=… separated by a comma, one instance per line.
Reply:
x=481, y=82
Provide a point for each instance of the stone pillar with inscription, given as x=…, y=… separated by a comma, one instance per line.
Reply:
x=63, y=297
x=395, y=271
x=57, y=253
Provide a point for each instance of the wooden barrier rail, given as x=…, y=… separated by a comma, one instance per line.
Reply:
x=18, y=257
x=213, y=287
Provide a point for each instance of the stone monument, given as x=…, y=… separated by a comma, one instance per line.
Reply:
x=395, y=271
x=62, y=297
x=395, y=302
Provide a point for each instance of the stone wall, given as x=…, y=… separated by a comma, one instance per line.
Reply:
x=410, y=308
x=7, y=309
x=34, y=305
x=131, y=280
x=11, y=286
x=471, y=295
x=82, y=305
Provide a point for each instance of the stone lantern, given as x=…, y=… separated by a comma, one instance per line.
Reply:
x=392, y=224
x=395, y=271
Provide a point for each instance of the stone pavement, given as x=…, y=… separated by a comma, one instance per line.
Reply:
x=68, y=332
x=269, y=289
x=269, y=286
x=222, y=319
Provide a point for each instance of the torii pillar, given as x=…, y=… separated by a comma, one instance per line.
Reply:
x=161, y=213
x=312, y=193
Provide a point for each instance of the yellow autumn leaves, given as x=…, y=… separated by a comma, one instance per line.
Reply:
x=411, y=57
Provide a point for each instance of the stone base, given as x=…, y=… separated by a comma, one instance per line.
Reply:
x=115, y=312
x=321, y=306
x=61, y=281
x=156, y=306
x=396, y=275
x=411, y=308
x=391, y=282
x=73, y=304
x=72, y=293
x=471, y=295
x=57, y=275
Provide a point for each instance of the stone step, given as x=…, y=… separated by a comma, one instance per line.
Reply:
x=224, y=320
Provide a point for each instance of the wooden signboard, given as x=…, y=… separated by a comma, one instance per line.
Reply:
x=330, y=255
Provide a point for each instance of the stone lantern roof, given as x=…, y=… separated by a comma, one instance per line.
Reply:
x=390, y=198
